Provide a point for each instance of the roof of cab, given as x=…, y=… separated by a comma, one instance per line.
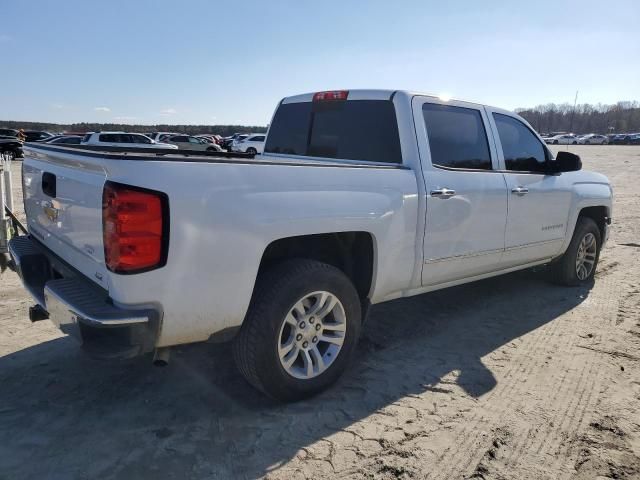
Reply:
x=371, y=94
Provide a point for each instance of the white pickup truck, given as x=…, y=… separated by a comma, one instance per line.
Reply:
x=360, y=197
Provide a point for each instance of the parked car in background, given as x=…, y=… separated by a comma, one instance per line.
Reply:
x=251, y=143
x=65, y=140
x=52, y=137
x=562, y=140
x=593, y=139
x=8, y=132
x=227, y=141
x=217, y=139
x=187, y=142
x=622, y=139
x=122, y=139
x=160, y=136
x=635, y=139
x=36, y=136
x=11, y=146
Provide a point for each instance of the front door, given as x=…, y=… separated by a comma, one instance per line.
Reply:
x=466, y=195
x=539, y=203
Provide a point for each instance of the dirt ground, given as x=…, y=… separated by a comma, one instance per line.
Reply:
x=508, y=378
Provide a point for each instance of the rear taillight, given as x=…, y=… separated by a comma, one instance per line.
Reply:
x=135, y=228
x=331, y=95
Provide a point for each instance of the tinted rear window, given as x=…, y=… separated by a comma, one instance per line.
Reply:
x=457, y=138
x=353, y=129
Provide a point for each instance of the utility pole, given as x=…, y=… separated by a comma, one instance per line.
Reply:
x=573, y=113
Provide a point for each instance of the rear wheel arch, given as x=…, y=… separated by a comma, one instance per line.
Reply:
x=351, y=252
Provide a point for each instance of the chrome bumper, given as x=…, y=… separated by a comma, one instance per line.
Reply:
x=79, y=307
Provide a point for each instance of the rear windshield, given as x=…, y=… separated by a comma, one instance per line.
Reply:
x=352, y=129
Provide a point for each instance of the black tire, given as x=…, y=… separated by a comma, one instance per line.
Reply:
x=574, y=143
x=211, y=149
x=255, y=348
x=563, y=272
x=555, y=142
x=252, y=151
x=587, y=142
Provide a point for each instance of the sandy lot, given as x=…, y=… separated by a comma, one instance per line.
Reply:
x=508, y=378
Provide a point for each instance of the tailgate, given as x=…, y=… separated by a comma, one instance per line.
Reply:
x=63, y=205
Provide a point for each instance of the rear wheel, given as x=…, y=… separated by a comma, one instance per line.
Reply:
x=578, y=264
x=301, y=330
x=252, y=151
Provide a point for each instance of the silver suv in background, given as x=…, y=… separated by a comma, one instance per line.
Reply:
x=123, y=139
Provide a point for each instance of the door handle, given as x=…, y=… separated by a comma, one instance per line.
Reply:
x=520, y=190
x=442, y=193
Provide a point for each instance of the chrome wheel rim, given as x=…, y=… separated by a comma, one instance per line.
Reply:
x=311, y=335
x=586, y=257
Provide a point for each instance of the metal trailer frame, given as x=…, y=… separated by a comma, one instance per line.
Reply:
x=10, y=226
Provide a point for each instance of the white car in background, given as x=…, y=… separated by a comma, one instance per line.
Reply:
x=593, y=139
x=562, y=140
x=160, y=136
x=122, y=139
x=251, y=143
x=187, y=142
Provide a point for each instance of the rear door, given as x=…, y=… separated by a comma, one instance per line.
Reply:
x=538, y=203
x=466, y=194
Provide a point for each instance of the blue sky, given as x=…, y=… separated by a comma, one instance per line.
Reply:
x=214, y=62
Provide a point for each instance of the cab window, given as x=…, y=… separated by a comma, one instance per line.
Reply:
x=522, y=150
x=457, y=137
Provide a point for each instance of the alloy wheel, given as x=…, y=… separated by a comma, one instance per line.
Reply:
x=312, y=335
x=586, y=257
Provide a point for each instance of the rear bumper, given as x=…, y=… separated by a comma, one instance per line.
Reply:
x=79, y=307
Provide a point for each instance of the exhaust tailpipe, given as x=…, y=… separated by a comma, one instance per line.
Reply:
x=161, y=356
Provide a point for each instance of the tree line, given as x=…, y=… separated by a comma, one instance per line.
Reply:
x=622, y=117
x=223, y=130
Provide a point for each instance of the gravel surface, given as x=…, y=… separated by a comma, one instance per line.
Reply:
x=507, y=378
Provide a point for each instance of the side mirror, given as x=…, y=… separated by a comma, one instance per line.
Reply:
x=566, y=162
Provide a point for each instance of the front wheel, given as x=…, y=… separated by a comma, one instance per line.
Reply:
x=252, y=151
x=555, y=142
x=301, y=329
x=578, y=264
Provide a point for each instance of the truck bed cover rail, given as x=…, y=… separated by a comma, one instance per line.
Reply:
x=138, y=151
x=167, y=155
